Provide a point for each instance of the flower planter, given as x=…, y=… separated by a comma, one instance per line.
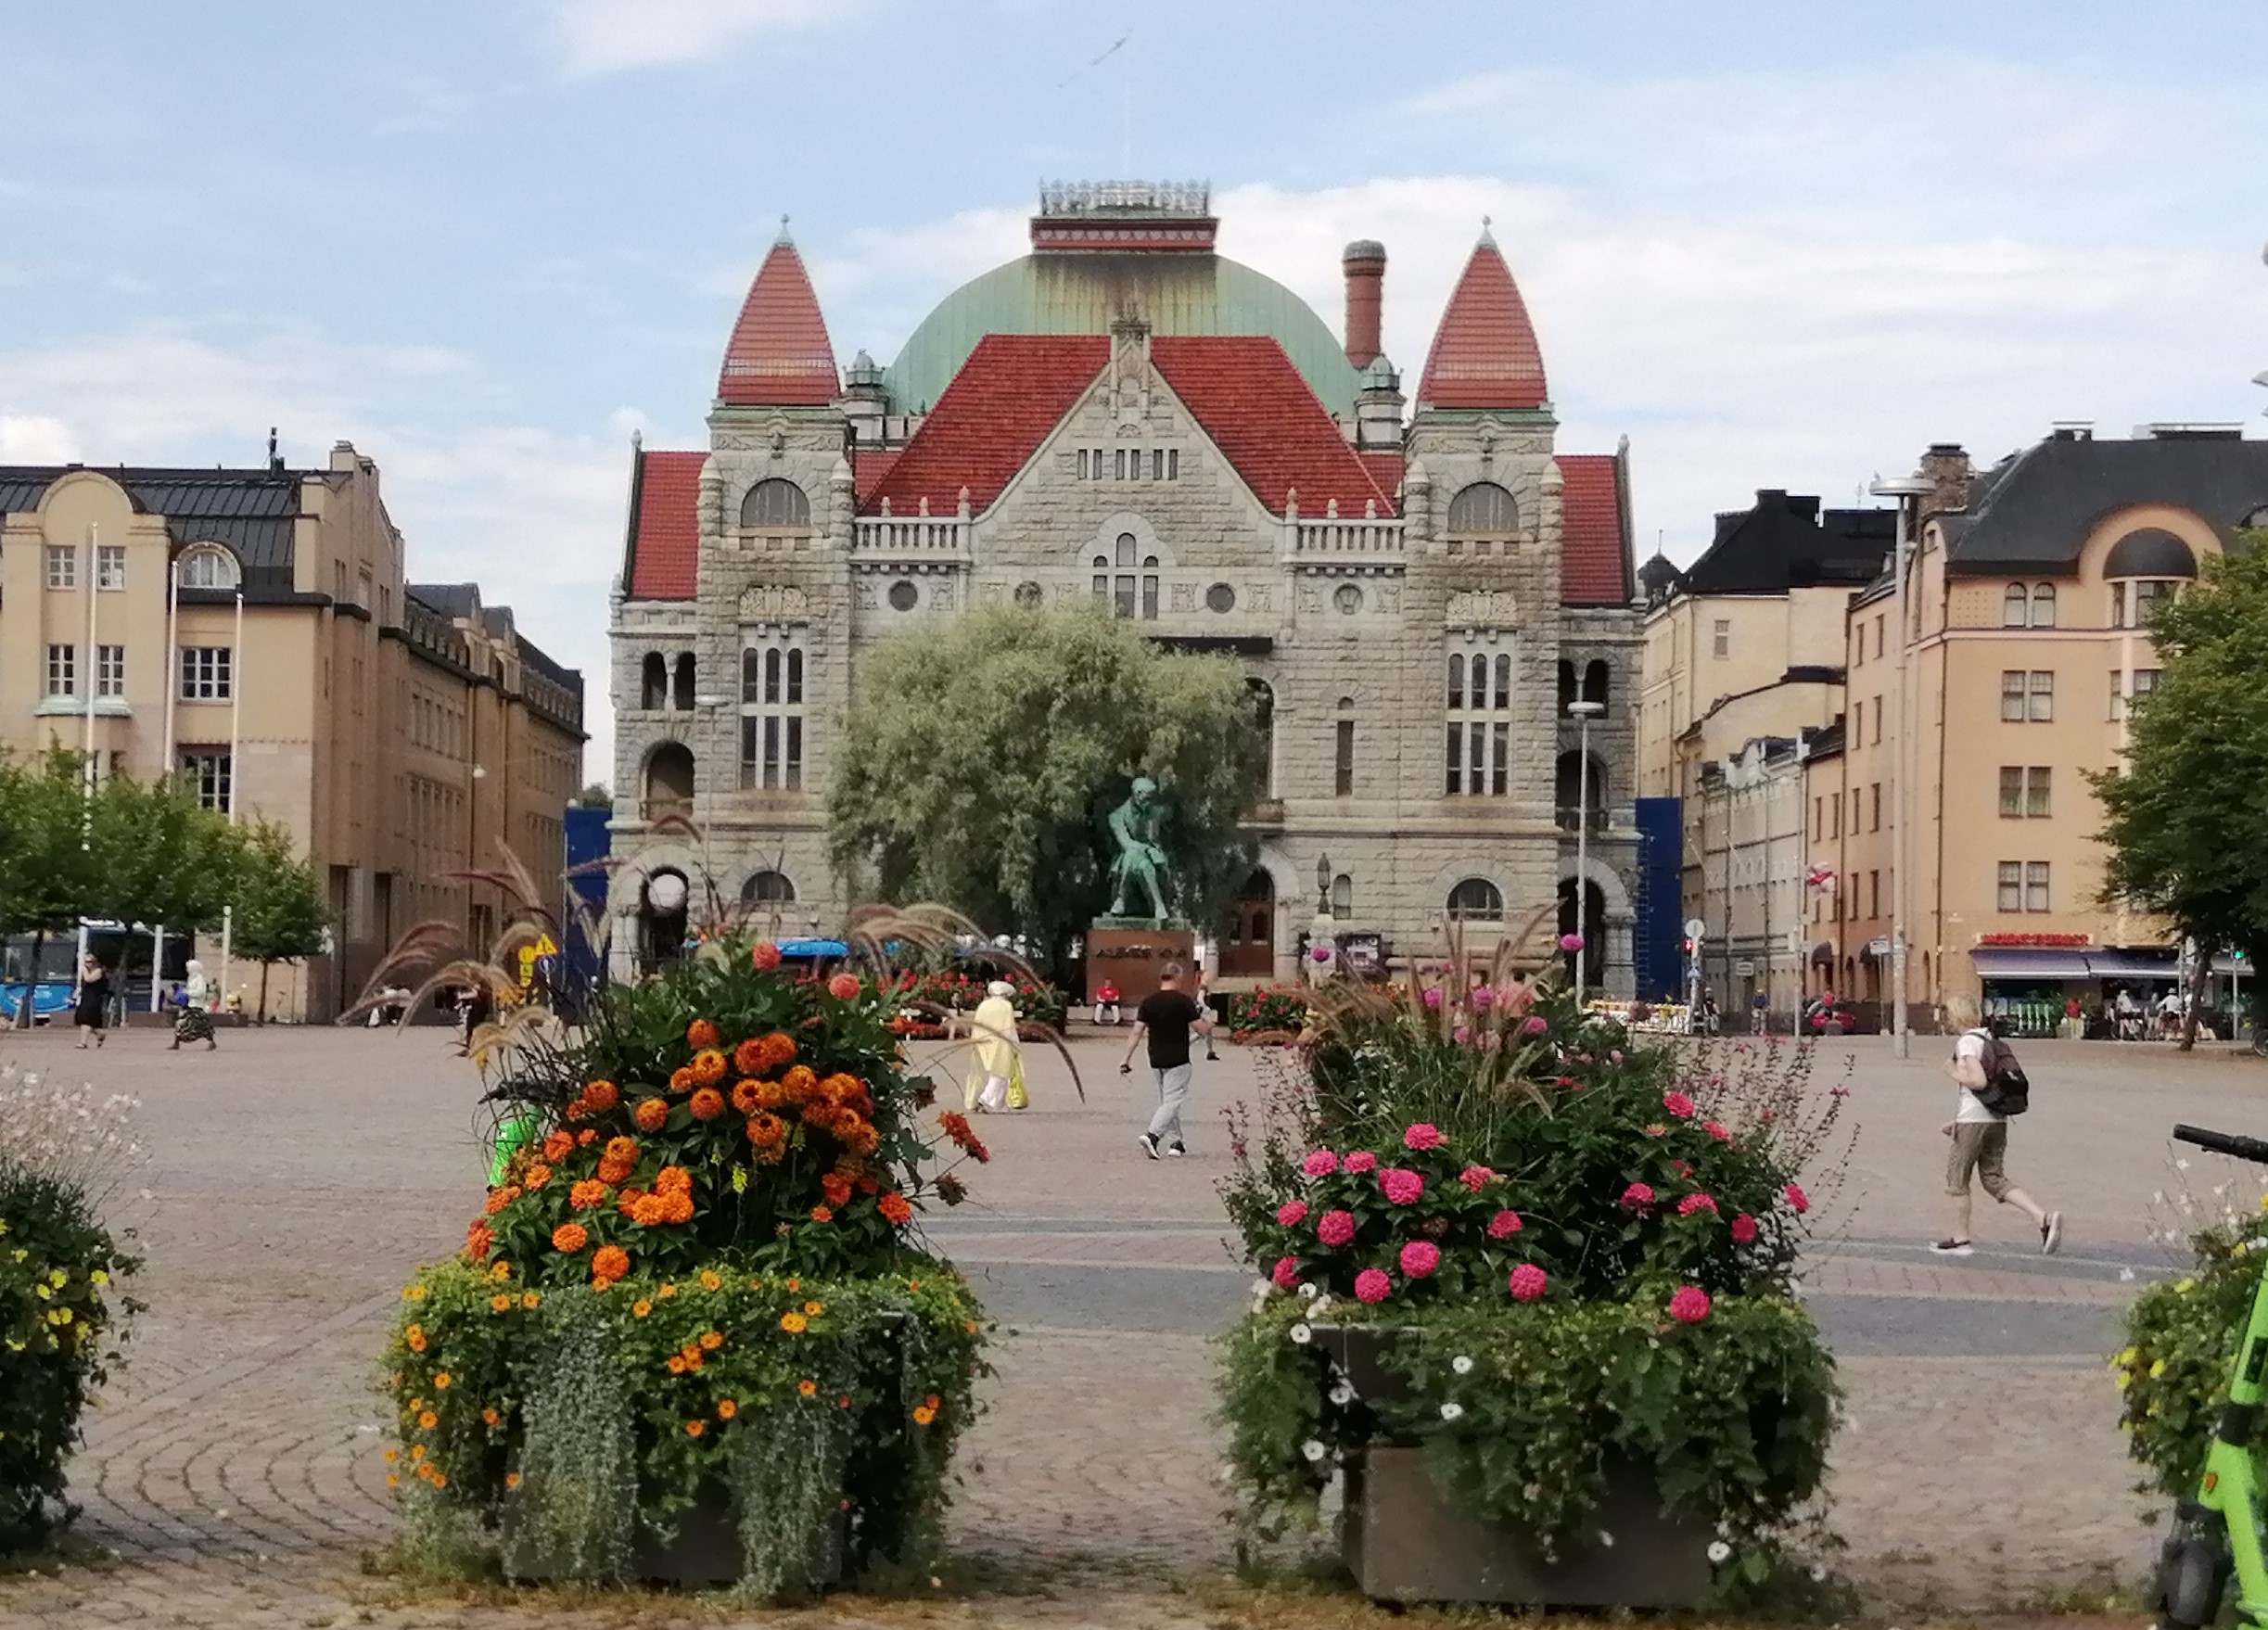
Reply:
x=1403, y=1543
x=701, y=1548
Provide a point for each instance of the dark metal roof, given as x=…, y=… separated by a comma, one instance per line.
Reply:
x=2034, y=511
x=251, y=511
x=451, y=600
x=1785, y=542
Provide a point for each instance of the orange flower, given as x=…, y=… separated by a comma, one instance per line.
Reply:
x=748, y=1057
x=923, y=1416
x=492, y=1418
x=627, y=1202
x=586, y=1194
x=799, y=1081
x=708, y=1104
x=441, y=1380
x=642, y=1307
x=393, y=1479
x=673, y=1179
x=766, y=957
x=700, y=1033
x=569, y=1237
x=623, y=1151
x=415, y=1339
x=747, y=1098
x=931, y=1401
x=479, y=1239
x=895, y=1207
x=813, y=1308
x=710, y=1341
x=837, y=1190
x=677, y=1364
x=712, y=1279
x=680, y=1208
x=707, y=1067
x=652, y=1113
x=500, y=1304
x=538, y=1176
x=807, y=1388
x=726, y=1409
x=695, y=1428
x=694, y=1359
x=530, y=1299
x=681, y=1080
x=512, y=1480
x=557, y=1147
x=609, y=1263
x=588, y=1136
x=860, y=1137
x=615, y=1171
x=667, y=1290
x=779, y=1049
x=602, y=1095
x=844, y=986
x=766, y=1130
x=820, y=1214
x=842, y=1084
x=392, y=1455
x=440, y=1479
x=793, y=1323
x=428, y=1420
x=649, y=1211
x=499, y=1198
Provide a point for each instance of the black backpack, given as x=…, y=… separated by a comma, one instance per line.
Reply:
x=2006, y=1089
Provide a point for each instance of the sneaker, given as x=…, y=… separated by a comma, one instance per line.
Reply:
x=1176, y=1150
x=2051, y=1233
x=1952, y=1248
x=1149, y=1145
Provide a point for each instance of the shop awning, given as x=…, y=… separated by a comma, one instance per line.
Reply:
x=2120, y=964
x=2000, y=962
x=1822, y=955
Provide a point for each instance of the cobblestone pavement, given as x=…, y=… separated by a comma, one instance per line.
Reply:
x=297, y=1176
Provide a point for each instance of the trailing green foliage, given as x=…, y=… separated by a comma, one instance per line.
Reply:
x=2181, y=1338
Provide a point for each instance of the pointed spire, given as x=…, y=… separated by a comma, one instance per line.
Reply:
x=779, y=355
x=1485, y=352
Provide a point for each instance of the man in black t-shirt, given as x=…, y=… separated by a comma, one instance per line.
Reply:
x=1166, y=1018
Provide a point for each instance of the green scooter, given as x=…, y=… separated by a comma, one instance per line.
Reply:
x=2217, y=1532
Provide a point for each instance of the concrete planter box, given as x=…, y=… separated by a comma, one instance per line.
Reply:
x=703, y=1553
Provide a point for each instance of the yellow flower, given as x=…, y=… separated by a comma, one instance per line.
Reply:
x=59, y=1279
x=2183, y=1287
x=2126, y=1357
x=667, y=1290
x=441, y=1380
x=923, y=1416
x=814, y=1308
x=417, y=1451
x=428, y=1420
x=500, y=1302
x=99, y=1277
x=2126, y=1379
x=710, y=1341
x=642, y=1307
x=412, y=1292
x=793, y=1323
x=2157, y=1369
x=503, y=1271
x=393, y=1479
x=530, y=1299
x=712, y=1279
x=392, y=1455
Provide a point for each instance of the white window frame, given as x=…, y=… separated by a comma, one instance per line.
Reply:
x=775, y=711
x=206, y=673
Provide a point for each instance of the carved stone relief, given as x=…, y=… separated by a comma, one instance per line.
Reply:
x=773, y=603
x=1482, y=608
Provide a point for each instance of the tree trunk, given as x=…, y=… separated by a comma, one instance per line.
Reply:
x=31, y=988
x=2197, y=976
x=262, y=1017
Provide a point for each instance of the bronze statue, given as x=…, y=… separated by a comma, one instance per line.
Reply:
x=1135, y=824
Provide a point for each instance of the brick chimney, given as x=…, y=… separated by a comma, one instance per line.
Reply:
x=1365, y=264
x=1947, y=464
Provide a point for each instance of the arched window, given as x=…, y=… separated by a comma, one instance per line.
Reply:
x=1483, y=509
x=654, y=692
x=1578, y=796
x=1597, y=674
x=1149, y=588
x=208, y=566
x=1504, y=682
x=1567, y=684
x=2015, y=607
x=1343, y=897
x=1343, y=750
x=1263, y=699
x=776, y=506
x=682, y=691
x=1126, y=549
x=669, y=780
x=1103, y=579
x=767, y=888
x=2042, y=606
x=1476, y=900
x=1457, y=682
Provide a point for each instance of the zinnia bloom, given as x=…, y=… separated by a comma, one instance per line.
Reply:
x=895, y=1207
x=695, y=1428
x=609, y=1263
x=1529, y=1282
x=807, y=1388
x=1690, y=1305
x=1402, y=1187
x=1356, y=1164
x=1717, y=1131
x=820, y=1214
x=1534, y=1024
x=1744, y=1229
x=1678, y=1104
x=1372, y=1286
x=708, y=1104
x=1292, y=1212
x=1476, y=1177
x=1419, y=1257
x=747, y=1097
x=1693, y=1203
x=710, y=1341
x=586, y=1194
x=1320, y=1162
x=707, y=1067
x=681, y=1079
x=652, y=1113
x=836, y=1189
x=766, y=956
x=1285, y=1273
x=557, y=1147
x=600, y=1096
x=1639, y=1195
x=726, y=1408
x=569, y=1237
x=924, y=1415
x=1424, y=1135
x=1336, y=1228
x=700, y=1034
x=1504, y=1225
x=1571, y=942
x=538, y=1176
x=843, y=987
x=1798, y=1199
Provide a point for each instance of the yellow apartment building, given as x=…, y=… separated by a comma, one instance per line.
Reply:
x=253, y=630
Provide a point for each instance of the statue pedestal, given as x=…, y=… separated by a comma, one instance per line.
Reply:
x=1129, y=952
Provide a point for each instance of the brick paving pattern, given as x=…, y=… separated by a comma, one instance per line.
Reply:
x=298, y=1175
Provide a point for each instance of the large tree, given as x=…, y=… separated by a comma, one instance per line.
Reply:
x=980, y=761
x=280, y=915
x=2187, y=819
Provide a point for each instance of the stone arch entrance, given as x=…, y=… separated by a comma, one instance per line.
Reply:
x=1248, y=945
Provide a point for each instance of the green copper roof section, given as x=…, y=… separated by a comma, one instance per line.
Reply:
x=1084, y=293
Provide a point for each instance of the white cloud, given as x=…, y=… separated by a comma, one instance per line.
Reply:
x=36, y=438
x=607, y=36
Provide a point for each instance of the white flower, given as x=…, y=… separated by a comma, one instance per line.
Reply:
x=1301, y=1335
x=1315, y=1309
x=1718, y=1550
x=1462, y=1364
x=1260, y=1288
x=1343, y=1394
x=1452, y=1411
x=1818, y=1573
x=1313, y=1449
x=1310, y=1290
x=1606, y=1539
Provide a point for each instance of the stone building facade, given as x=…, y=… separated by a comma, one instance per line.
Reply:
x=1125, y=418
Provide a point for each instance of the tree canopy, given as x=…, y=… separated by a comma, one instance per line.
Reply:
x=2186, y=820
x=980, y=760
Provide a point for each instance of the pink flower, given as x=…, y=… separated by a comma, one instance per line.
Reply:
x=1482, y=996
x=1371, y=1285
x=1529, y=1283
x=1719, y=1132
x=1419, y=1257
x=1361, y=1161
x=1321, y=953
x=1798, y=1199
x=1335, y=1227
x=1690, y=1305
x=1292, y=1212
x=1639, y=1195
x=1744, y=1229
x=1424, y=1135
x=1476, y=1177
x=1678, y=1104
x=1402, y=1186
x=1571, y=942
x=1615, y=1057
x=1462, y=1035
x=1504, y=1225
x=844, y=986
x=1320, y=1162
x=1433, y=996
x=1534, y=1024
x=1693, y=1203
x=1656, y=1129
x=1285, y=1273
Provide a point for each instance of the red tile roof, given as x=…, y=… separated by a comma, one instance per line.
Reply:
x=665, y=526
x=1485, y=352
x=1594, y=548
x=1012, y=390
x=779, y=355
x=1261, y=413
x=1386, y=469
x=867, y=466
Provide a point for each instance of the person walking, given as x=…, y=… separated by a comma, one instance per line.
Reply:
x=1165, y=1020
x=1979, y=1137
x=993, y=1062
x=193, y=1021
x=93, y=1015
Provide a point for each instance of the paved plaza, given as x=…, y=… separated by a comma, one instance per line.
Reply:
x=298, y=1175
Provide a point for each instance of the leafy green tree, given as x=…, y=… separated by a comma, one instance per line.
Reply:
x=47, y=862
x=2186, y=821
x=595, y=797
x=980, y=760
x=159, y=856
x=280, y=914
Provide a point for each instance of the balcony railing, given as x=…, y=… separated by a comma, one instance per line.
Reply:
x=1331, y=536
x=915, y=535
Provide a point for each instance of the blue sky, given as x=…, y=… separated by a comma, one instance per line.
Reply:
x=1783, y=247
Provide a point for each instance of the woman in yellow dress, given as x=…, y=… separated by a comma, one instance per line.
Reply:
x=996, y=1061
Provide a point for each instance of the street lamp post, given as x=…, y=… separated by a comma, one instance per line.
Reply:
x=1908, y=490
x=1582, y=713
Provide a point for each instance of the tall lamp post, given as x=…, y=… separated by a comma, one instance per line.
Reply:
x=1908, y=490
x=1582, y=713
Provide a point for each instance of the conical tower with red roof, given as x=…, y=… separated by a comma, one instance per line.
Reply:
x=778, y=354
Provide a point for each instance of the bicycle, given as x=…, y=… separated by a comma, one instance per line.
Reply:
x=2219, y=1533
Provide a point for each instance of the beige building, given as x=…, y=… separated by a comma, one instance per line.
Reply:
x=1746, y=830
x=290, y=673
x=2027, y=640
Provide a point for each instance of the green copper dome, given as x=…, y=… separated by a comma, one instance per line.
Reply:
x=1185, y=293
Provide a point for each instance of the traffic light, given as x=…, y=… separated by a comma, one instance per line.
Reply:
x=1686, y=946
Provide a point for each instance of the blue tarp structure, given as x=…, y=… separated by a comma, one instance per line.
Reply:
x=1659, y=933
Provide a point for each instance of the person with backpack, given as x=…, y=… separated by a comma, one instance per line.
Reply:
x=1991, y=1086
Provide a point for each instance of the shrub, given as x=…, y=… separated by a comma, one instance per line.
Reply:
x=1277, y=1011
x=925, y=999
x=63, y=1313
x=2181, y=1338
